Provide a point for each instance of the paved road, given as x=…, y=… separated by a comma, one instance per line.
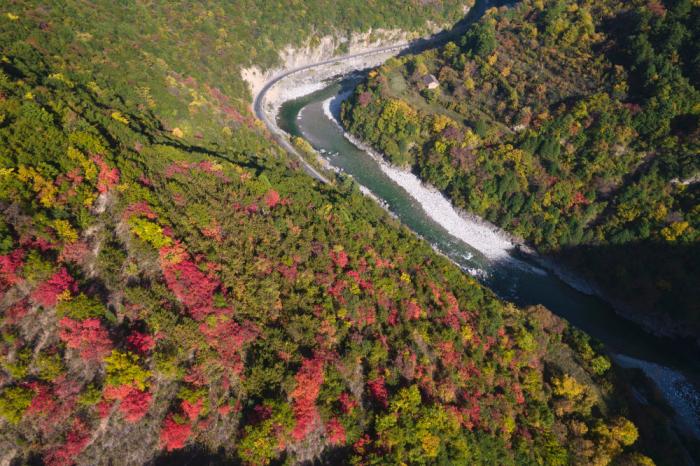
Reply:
x=412, y=46
x=280, y=135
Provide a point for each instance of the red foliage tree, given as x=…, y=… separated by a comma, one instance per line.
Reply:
x=379, y=392
x=308, y=385
x=76, y=440
x=141, y=342
x=54, y=404
x=336, y=290
x=108, y=177
x=579, y=199
x=104, y=408
x=470, y=411
x=340, y=258
x=413, y=311
x=366, y=316
x=139, y=208
x=228, y=339
x=336, y=432
x=213, y=231
x=454, y=316
x=48, y=409
x=135, y=405
x=393, y=317
x=196, y=376
x=179, y=167
x=448, y=355
x=190, y=285
x=120, y=392
x=174, y=435
x=46, y=294
x=361, y=444
x=192, y=410
x=362, y=283
x=87, y=336
x=518, y=392
x=435, y=290
x=17, y=312
x=288, y=272
x=33, y=242
x=272, y=198
x=347, y=402
x=74, y=252
x=9, y=264
x=224, y=409
x=657, y=8
x=365, y=98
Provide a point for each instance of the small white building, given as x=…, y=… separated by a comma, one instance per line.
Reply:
x=430, y=82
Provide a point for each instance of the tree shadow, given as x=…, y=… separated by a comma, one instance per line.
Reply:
x=195, y=455
x=652, y=279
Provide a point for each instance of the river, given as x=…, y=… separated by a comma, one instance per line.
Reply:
x=489, y=256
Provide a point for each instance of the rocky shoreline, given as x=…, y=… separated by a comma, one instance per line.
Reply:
x=304, y=70
x=481, y=235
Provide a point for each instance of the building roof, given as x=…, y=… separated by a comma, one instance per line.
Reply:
x=430, y=79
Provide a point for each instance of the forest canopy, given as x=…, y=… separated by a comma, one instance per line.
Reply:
x=170, y=280
x=573, y=125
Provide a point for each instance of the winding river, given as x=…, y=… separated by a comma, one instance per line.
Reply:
x=488, y=255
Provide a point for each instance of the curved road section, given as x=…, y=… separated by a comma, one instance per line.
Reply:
x=280, y=136
x=382, y=53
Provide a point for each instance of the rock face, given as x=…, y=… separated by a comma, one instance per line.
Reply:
x=324, y=49
x=292, y=79
x=304, y=70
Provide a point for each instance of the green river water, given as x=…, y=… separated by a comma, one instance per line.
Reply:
x=667, y=362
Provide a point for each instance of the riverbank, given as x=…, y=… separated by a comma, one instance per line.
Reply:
x=304, y=69
x=676, y=389
x=289, y=84
x=300, y=76
x=496, y=243
x=479, y=234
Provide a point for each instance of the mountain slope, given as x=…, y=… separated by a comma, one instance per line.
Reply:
x=160, y=291
x=572, y=124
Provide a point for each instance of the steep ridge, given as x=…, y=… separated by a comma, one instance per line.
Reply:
x=169, y=280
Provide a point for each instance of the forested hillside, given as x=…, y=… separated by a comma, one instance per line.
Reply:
x=181, y=60
x=169, y=280
x=572, y=124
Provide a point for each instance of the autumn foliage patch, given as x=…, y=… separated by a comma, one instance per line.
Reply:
x=76, y=440
x=191, y=286
x=47, y=293
x=308, y=384
x=89, y=337
x=108, y=177
x=135, y=405
x=174, y=435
